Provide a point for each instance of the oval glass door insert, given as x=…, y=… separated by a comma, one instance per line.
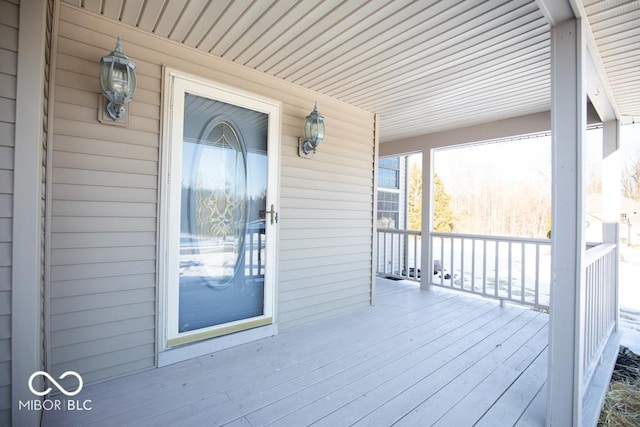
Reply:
x=222, y=195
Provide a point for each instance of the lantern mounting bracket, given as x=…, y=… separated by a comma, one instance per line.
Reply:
x=105, y=118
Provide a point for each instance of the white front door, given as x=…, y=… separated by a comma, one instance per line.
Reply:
x=220, y=211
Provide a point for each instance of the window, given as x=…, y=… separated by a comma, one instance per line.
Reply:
x=388, y=209
x=389, y=172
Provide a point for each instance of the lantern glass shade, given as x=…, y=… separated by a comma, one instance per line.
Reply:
x=314, y=130
x=118, y=81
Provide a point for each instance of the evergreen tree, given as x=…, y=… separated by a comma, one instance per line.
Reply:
x=442, y=215
x=414, y=198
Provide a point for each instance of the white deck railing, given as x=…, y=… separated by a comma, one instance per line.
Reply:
x=507, y=268
x=513, y=269
x=599, y=304
x=399, y=254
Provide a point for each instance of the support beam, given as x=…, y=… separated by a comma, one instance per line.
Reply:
x=598, y=90
x=523, y=125
x=568, y=124
x=26, y=328
x=427, y=219
x=611, y=175
x=556, y=11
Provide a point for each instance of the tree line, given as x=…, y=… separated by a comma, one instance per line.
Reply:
x=481, y=198
x=478, y=204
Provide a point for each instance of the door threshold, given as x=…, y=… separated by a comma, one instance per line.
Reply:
x=202, y=348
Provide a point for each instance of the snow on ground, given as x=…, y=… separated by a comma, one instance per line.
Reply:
x=629, y=279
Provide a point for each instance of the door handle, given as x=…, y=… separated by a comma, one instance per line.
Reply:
x=273, y=214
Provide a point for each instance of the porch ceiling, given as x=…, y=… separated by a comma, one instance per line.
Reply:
x=424, y=66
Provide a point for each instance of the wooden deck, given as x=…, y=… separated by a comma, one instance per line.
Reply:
x=415, y=359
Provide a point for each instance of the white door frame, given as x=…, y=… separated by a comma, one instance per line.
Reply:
x=176, y=84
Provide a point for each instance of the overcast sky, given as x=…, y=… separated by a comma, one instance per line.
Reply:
x=523, y=159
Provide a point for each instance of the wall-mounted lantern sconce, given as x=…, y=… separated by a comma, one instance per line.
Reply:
x=313, y=133
x=118, y=81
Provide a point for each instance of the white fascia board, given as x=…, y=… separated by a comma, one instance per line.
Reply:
x=516, y=126
x=556, y=11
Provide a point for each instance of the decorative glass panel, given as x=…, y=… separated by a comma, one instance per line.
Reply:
x=223, y=201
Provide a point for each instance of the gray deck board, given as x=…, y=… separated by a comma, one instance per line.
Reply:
x=458, y=359
x=416, y=358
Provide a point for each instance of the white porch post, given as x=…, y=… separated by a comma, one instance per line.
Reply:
x=427, y=220
x=26, y=327
x=611, y=172
x=568, y=121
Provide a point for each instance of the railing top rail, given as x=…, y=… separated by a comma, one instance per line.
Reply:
x=393, y=230
x=489, y=237
x=595, y=253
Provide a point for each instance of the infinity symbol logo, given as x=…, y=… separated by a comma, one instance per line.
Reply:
x=58, y=386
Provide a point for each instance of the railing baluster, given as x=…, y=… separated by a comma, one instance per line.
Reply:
x=384, y=252
x=405, y=252
x=509, y=274
x=402, y=267
x=393, y=250
x=251, y=254
x=537, y=275
x=523, y=289
x=441, y=261
x=260, y=257
x=497, y=277
x=453, y=244
x=484, y=267
x=462, y=263
x=394, y=258
x=417, y=262
x=473, y=265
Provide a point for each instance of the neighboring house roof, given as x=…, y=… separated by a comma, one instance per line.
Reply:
x=628, y=207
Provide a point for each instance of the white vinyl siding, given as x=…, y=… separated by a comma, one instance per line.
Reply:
x=9, y=16
x=105, y=195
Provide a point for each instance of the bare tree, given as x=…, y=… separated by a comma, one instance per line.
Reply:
x=631, y=179
x=483, y=204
